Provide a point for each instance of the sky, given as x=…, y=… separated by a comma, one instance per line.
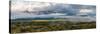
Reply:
x=19, y=6
x=84, y=2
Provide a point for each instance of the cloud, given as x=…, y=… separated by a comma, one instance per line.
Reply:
x=57, y=14
x=22, y=6
x=19, y=9
x=85, y=10
x=83, y=2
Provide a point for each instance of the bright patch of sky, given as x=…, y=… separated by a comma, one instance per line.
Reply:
x=85, y=10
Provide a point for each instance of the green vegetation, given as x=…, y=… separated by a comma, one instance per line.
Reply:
x=48, y=25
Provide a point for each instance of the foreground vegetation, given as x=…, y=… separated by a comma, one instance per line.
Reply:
x=44, y=25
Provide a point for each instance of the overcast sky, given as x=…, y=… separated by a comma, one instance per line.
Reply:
x=18, y=4
x=84, y=2
x=22, y=5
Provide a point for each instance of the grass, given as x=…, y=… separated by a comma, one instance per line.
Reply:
x=49, y=25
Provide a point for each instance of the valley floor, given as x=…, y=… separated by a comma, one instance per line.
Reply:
x=44, y=26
